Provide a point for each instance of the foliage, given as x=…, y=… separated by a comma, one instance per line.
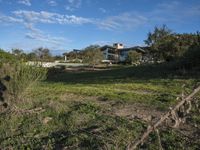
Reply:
x=31, y=56
x=92, y=55
x=6, y=57
x=134, y=57
x=168, y=46
x=191, y=58
x=74, y=56
x=22, y=77
x=43, y=54
x=19, y=54
x=3, y=88
x=85, y=108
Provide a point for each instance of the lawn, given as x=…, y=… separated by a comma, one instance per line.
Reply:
x=104, y=109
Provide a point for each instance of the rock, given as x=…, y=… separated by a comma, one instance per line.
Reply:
x=46, y=120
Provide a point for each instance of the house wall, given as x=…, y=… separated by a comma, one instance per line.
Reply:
x=105, y=54
x=118, y=45
x=110, y=54
x=117, y=53
x=123, y=56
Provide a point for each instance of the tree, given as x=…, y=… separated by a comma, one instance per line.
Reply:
x=6, y=57
x=157, y=41
x=17, y=52
x=191, y=57
x=134, y=57
x=31, y=56
x=43, y=54
x=167, y=46
x=92, y=55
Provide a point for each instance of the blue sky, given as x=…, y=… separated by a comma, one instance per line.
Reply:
x=62, y=25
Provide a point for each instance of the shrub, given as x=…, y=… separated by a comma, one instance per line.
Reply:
x=22, y=77
x=134, y=57
x=191, y=58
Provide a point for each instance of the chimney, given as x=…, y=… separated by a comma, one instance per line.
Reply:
x=118, y=45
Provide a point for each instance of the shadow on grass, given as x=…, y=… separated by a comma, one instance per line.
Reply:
x=122, y=74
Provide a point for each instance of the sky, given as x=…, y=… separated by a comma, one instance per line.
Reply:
x=63, y=25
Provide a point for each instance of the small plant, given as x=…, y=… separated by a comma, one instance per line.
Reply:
x=22, y=77
x=3, y=88
x=134, y=57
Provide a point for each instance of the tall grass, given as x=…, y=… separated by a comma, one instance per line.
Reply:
x=22, y=77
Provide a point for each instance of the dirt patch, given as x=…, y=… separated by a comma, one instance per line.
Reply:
x=135, y=91
x=137, y=111
x=119, y=108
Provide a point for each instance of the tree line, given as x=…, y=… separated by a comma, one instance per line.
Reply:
x=168, y=46
x=163, y=44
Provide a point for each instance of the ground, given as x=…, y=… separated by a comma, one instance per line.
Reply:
x=107, y=108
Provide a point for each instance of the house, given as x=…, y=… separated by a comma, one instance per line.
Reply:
x=118, y=53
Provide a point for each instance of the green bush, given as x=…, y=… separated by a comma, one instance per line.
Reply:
x=192, y=57
x=22, y=77
x=6, y=57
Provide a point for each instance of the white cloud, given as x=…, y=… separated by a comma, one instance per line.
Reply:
x=102, y=10
x=162, y=14
x=52, y=2
x=34, y=33
x=48, y=17
x=125, y=21
x=73, y=5
x=9, y=20
x=174, y=11
x=102, y=42
x=25, y=2
x=38, y=35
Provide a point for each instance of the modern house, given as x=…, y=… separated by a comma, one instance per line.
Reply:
x=118, y=53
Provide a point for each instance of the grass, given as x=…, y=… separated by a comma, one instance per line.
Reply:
x=79, y=109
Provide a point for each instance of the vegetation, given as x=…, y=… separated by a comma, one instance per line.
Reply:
x=168, y=46
x=92, y=55
x=42, y=54
x=92, y=110
x=22, y=77
x=134, y=57
x=6, y=57
x=80, y=108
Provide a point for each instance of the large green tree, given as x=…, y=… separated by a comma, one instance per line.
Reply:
x=43, y=54
x=92, y=55
x=134, y=57
x=166, y=45
x=158, y=41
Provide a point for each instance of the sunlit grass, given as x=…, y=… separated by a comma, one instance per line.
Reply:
x=78, y=109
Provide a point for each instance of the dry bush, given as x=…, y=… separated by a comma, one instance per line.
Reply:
x=22, y=77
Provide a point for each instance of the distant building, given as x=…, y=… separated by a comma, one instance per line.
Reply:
x=118, y=53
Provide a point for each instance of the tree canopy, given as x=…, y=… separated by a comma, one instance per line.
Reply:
x=92, y=55
x=166, y=45
x=42, y=54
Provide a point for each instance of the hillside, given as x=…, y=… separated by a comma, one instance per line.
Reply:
x=79, y=108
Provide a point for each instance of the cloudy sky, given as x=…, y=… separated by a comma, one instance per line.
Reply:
x=62, y=25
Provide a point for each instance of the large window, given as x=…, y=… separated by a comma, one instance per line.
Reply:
x=111, y=51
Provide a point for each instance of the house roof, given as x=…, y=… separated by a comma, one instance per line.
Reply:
x=138, y=48
x=106, y=46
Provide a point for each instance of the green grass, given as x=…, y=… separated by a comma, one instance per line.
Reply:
x=80, y=105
